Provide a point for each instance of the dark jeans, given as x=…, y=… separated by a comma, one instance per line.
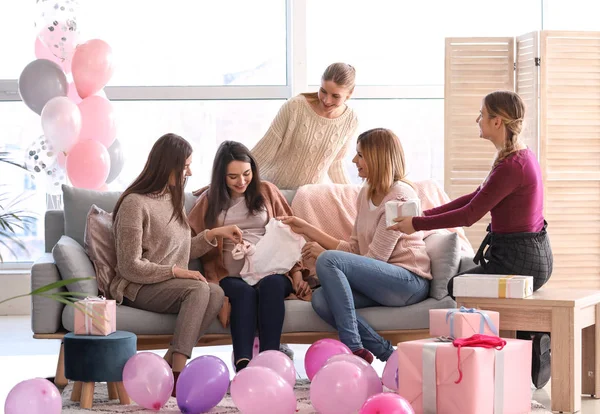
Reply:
x=262, y=305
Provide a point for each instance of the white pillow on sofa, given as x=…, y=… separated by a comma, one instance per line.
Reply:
x=444, y=252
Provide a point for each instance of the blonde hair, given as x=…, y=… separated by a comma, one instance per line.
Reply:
x=384, y=155
x=509, y=107
x=342, y=74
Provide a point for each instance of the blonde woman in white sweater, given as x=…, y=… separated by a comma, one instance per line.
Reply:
x=309, y=137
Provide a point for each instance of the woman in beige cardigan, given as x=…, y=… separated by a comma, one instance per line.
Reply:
x=310, y=135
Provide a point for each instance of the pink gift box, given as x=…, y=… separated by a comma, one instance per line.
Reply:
x=493, y=382
x=99, y=318
x=463, y=322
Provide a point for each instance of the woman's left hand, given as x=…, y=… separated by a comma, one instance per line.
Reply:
x=403, y=224
x=312, y=250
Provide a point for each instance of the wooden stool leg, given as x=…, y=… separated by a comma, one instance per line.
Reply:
x=123, y=397
x=59, y=378
x=87, y=395
x=112, y=390
x=76, y=394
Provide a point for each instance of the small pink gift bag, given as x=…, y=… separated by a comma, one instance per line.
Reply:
x=435, y=378
x=95, y=316
x=463, y=322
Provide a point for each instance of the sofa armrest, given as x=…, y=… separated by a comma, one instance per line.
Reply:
x=45, y=313
x=466, y=263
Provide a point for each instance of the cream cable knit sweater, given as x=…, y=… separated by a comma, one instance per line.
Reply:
x=300, y=146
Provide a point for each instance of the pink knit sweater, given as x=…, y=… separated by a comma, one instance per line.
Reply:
x=370, y=237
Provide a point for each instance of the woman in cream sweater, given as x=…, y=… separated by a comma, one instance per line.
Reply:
x=309, y=137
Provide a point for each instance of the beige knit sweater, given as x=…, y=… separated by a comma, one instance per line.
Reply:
x=148, y=243
x=301, y=146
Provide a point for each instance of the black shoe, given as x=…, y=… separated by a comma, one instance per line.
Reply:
x=540, y=360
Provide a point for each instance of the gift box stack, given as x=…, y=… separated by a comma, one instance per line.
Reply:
x=95, y=316
x=465, y=368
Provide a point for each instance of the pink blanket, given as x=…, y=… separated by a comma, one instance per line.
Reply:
x=332, y=208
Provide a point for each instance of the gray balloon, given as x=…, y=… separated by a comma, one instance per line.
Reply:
x=40, y=81
x=117, y=160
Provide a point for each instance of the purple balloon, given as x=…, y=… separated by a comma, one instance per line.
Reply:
x=259, y=390
x=148, y=380
x=387, y=402
x=33, y=396
x=374, y=385
x=390, y=372
x=319, y=352
x=202, y=384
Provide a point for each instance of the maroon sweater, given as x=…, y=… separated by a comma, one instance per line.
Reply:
x=513, y=193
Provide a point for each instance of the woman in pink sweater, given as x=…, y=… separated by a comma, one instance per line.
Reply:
x=377, y=266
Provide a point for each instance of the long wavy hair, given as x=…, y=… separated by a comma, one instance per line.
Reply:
x=167, y=156
x=384, y=155
x=219, y=196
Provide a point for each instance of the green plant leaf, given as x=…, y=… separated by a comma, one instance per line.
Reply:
x=58, y=284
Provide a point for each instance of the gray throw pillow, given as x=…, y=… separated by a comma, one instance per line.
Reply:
x=444, y=252
x=73, y=262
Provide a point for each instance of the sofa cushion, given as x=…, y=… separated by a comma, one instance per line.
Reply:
x=77, y=203
x=100, y=246
x=444, y=252
x=73, y=262
x=299, y=317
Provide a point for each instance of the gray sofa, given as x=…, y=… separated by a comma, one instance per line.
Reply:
x=51, y=320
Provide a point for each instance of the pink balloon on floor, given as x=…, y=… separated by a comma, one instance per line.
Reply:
x=259, y=390
x=92, y=66
x=148, y=380
x=389, y=372
x=88, y=164
x=338, y=387
x=388, y=403
x=98, y=120
x=33, y=396
x=319, y=352
x=374, y=385
x=278, y=362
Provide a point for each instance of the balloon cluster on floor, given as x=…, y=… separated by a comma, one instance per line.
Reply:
x=340, y=383
x=77, y=120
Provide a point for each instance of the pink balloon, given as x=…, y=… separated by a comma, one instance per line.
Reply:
x=389, y=372
x=61, y=159
x=61, y=122
x=278, y=362
x=255, y=351
x=259, y=390
x=72, y=94
x=92, y=66
x=33, y=396
x=148, y=380
x=338, y=387
x=374, y=385
x=319, y=352
x=42, y=52
x=387, y=402
x=88, y=164
x=98, y=121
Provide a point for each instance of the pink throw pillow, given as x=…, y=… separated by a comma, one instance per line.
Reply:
x=100, y=247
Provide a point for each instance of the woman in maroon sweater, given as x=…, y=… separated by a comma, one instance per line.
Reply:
x=517, y=242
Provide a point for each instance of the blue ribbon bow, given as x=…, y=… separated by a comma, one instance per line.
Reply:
x=485, y=319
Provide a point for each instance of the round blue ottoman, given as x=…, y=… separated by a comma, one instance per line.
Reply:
x=90, y=359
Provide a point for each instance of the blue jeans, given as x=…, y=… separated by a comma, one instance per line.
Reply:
x=350, y=282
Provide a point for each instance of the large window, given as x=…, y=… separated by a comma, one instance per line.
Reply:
x=220, y=70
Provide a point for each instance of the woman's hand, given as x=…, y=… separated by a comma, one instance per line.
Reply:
x=312, y=250
x=403, y=224
x=232, y=233
x=300, y=286
x=180, y=273
x=297, y=224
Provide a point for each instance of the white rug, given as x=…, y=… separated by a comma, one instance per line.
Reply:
x=102, y=405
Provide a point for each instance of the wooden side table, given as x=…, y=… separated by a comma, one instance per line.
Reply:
x=572, y=317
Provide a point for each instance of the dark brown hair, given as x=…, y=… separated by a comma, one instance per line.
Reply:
x=167, y=156
x=219, y=197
